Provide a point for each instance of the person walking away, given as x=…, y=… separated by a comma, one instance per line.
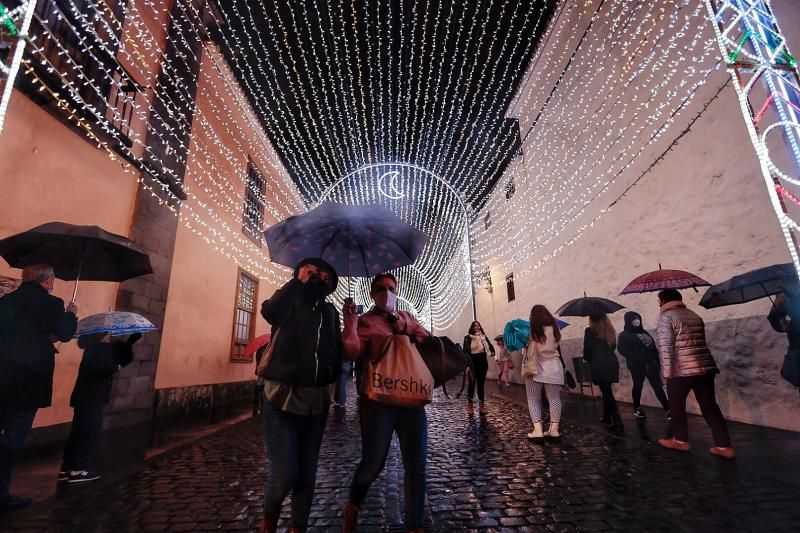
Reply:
x=31, y=319
x=687, y=365
x=784, y=317
x=641, y=354
x=101, y=360
x=599, y=343
x=340, y=393
x=478, y=347
x=362, y=337
x=543, y=344
x=503, y=360
x=305, y=358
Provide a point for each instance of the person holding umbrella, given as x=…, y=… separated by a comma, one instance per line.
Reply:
x=687, y=365
x=304, y=358
x=641, y=353
x=101, y=360
x=31, y=320
x=599, y=343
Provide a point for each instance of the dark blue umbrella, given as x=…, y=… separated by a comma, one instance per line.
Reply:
x=588, y=306
x=357, y=240
x=749, y=286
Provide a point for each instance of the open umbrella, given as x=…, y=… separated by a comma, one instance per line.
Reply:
x=115, y=323
x=8, y=285
x=76, y=252
x=517, y=332
x=661, y=279
x=588, y=306
x=357, y=240
x=749, y=286
x=256, y=343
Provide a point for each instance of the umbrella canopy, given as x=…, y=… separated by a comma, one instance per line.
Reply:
x=517, y=332
x=8, y=285
x=588, y=306
x=357, y=240
x=658, y=280
x=115, y=323
x=256, y=343
x=86, y=252
x=749, y=286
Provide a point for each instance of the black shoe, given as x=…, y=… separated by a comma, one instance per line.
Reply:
x=13, y=503
x=606, y=422
x=81, y=476
x=639, y=413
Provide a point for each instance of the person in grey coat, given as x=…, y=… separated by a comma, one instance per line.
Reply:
x=688, y=366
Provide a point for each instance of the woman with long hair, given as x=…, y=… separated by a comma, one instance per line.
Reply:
x=543, y=345
x=599, y=343
x=478, y=347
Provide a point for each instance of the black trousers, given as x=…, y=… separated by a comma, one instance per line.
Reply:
x=652, y=373
x=87, y=422
x=703, y=387
x=481, y=366
x=610, y=412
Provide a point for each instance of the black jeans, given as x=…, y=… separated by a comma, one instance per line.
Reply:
x=293, y=443
x=610, y=412
x=653, y=374
x=15, y=424
x=703, y=387
x=87, y=422
x=378, y=422
x=481, y=367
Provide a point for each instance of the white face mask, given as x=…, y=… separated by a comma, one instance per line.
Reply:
x=386, y=301
x=636, y=323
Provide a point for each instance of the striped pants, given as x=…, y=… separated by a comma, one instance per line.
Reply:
x=553, y=391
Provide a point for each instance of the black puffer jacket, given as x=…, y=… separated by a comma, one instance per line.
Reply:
x=601, y=358
x=636, y=345
x=306, y=338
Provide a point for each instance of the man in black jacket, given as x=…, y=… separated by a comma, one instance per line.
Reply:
x=303, y=359
x=31, y=320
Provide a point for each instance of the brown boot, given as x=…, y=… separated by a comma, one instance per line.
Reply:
x=350, y=518
x=470, y=409
x=297, y=530
x=482, y=409
x=269, y=524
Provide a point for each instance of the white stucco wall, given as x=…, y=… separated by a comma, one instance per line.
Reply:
x=702, y=207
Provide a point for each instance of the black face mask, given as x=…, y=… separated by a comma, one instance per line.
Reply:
x=316, y=289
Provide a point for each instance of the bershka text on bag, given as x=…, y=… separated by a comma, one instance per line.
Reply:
x=410, y=384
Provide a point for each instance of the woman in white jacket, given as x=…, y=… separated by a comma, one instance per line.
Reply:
x=542, y=369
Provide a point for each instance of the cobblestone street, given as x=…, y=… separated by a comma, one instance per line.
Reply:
x=483, y=474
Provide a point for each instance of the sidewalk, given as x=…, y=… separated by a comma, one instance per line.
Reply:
x=772, y=453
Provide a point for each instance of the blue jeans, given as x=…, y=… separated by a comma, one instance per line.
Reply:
x=378, y=422
x=15, y=424
x=340, y=395
x=293, y=443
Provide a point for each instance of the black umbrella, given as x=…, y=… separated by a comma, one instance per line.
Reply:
x=588, y=306
x=750, y=286
x=76, y=252
x=357, y=240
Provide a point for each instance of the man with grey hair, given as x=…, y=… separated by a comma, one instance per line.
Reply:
x=31, y=320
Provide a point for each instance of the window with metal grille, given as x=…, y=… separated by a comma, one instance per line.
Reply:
x=253, y=216
x=244, y=317
x=510, y=287
x=487, y=220
x=510, y=189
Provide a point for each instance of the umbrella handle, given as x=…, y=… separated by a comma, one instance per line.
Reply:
x=78, y=277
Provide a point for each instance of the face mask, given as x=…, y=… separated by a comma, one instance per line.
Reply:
x=636, y=323
x=316, y=289
x=386, y=301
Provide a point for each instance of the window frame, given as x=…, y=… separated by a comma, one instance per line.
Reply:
x=510, y=290
x=247, y=228
x=237, y=348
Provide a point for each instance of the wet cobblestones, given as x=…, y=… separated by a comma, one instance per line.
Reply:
x=483, y=474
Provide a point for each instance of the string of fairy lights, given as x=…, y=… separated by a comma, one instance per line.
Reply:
x=398, y=103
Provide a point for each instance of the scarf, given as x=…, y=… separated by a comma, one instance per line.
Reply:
x=480, y=341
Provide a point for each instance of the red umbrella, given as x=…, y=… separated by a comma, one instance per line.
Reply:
x=255, y=344
x=661, y=279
